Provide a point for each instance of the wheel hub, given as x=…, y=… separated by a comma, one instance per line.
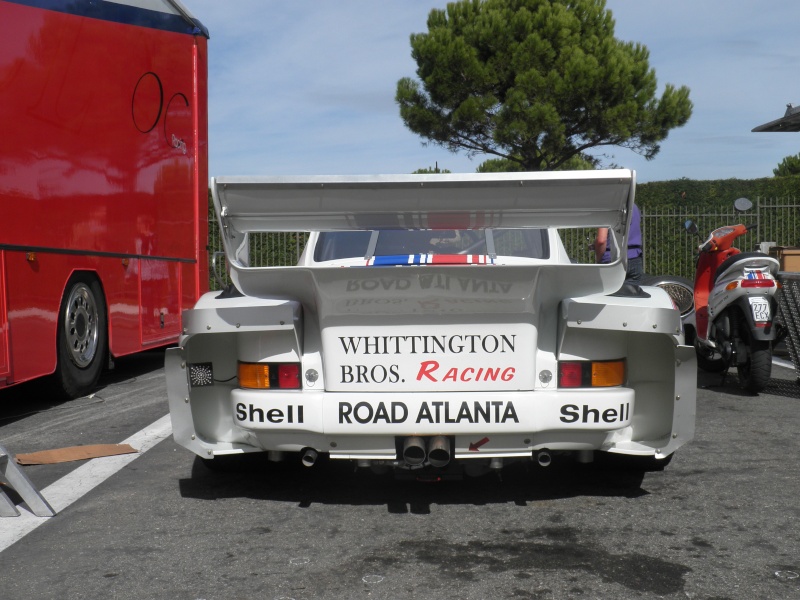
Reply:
x=80, y=326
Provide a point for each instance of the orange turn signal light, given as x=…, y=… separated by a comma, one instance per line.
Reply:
x=608, y=373
x=254, y=376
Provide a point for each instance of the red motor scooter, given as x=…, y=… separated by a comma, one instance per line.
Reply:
x=734, y=298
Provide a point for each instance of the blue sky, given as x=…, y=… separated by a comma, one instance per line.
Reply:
x=307, y=86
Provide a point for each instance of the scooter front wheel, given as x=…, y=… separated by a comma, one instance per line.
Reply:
x=755, y=372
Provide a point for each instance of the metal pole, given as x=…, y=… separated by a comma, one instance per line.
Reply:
x=644, y=237
x=758, y=217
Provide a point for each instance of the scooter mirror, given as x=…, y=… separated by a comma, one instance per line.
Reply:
x=691, y=227
x=742, y=204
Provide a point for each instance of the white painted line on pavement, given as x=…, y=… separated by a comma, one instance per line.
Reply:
x=81, y=481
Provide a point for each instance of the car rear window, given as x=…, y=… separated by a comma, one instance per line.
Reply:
x=526, y=243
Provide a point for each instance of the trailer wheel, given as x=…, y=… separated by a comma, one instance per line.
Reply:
x=82, y=337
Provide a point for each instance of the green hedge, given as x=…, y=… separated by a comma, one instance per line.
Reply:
x=720, y=193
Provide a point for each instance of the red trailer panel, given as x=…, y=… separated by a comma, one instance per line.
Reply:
x=103, y=183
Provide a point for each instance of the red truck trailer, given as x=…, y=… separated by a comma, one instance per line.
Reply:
x=103, y=183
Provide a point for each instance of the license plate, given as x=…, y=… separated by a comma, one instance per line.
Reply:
x=760, y=308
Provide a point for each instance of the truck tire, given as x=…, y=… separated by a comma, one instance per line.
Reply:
x=82, y=337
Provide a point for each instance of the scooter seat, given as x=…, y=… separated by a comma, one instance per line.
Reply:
x=742, y=256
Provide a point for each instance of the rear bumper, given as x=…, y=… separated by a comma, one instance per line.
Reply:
x=223, y=419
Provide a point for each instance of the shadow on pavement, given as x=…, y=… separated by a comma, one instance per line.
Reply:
x=337, y=482
x=36, y=396
x=783, y=383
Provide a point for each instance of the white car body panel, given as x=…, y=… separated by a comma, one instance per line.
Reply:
x=470, y=352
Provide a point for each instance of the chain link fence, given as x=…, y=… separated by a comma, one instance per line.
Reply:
x=668, y=248
x=266, y=250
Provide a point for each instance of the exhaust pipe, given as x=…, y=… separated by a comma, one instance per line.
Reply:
x=414, y=450
x=543, y=458
x=309, y=457
x=439, y=451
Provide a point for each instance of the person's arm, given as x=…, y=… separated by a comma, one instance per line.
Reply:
x=600, y=242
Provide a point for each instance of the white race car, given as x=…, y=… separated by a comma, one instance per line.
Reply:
x=434, y=324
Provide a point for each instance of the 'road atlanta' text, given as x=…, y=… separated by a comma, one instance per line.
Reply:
x=489, y=411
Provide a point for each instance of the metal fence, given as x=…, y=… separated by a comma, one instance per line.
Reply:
x=668, y=248
x=266, y=250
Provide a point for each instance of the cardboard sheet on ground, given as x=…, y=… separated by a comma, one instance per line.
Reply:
x=60, y=455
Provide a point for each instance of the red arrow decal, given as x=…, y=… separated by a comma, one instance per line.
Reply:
x=475, y=446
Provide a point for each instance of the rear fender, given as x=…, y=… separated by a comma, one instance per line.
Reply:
x=764, y=333
x=660, y=368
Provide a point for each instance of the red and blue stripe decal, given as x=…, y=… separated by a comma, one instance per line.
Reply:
x=429, y=259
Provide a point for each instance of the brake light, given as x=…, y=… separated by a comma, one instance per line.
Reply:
x=758, y=283
x=289, y=376
x=266, y=376
x=570, y=374
x=597, y=373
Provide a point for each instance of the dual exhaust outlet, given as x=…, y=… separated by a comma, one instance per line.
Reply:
x=436, y=449
x=415, y=451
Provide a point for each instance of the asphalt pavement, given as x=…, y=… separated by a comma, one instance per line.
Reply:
x=720, y=522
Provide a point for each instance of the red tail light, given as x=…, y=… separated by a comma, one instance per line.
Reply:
x=289, y=376
x=758, y=283
x=570, y=374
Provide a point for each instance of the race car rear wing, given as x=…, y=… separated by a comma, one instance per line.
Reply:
x=451, y=201
x=560, y=199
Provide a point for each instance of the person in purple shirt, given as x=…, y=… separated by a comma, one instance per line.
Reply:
x=635, y=261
